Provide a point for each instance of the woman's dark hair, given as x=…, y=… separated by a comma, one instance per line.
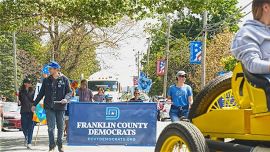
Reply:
x=22, y=88
x=257, y=8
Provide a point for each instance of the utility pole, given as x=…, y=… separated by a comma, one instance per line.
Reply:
x=138, y=63
x=148, y=56
x=167, y=58
x=54, y=35
x=137, y=56
x=204, y=49
x=15, y=64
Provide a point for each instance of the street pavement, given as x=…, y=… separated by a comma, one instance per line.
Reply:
x=14, y=142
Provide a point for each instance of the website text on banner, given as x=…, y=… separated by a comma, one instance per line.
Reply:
x=131, y=124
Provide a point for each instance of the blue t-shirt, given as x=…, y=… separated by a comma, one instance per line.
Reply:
x=179, y=95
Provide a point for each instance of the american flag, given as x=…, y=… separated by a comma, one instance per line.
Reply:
x=161, y=67
x=135, y=80
x=195, y=52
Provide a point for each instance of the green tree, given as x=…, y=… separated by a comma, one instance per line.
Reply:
x=218, y=50
x=78, y=56
x=28, y=66
x=229, y=63
x=187, y=26
x=71, y=27
x=6, y=67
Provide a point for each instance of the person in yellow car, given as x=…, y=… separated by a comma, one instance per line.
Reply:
x=251, y=44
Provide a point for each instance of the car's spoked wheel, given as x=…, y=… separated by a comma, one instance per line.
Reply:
x=216, y=95
x=223, y=101
x=181, y=137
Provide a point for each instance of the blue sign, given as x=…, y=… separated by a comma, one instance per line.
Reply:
x=144, y=83
x=131, y=124
x=195, y=52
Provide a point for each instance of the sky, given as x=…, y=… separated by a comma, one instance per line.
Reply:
x=124, y=65
x=242, y=3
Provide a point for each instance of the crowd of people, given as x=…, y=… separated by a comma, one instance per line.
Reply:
x=56, y=93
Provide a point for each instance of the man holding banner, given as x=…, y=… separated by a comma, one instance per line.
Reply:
x=57, y=92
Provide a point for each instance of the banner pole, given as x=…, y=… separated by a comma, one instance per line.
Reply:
x=37, y=134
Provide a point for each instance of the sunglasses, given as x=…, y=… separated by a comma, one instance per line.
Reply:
x=182, y=76
x=137, y=93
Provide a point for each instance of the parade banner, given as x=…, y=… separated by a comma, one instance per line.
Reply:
x=195, y=52
x=161, y=67
x=131, y=124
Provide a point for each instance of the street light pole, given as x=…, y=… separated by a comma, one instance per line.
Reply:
x=167, y=58
x=53, y=46
x=148, y=56
x=138, y=62
x=203, y=77
x=15, y=63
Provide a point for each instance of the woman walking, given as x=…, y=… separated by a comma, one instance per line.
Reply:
x=26, y=96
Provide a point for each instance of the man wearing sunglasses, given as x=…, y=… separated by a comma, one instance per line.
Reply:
x=181, y=98
x=136, y=97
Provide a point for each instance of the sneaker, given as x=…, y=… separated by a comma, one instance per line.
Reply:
x=29, y=146
x=60, y=149
x=51, y=149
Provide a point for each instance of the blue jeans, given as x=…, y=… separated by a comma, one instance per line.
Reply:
x=177, y=112
x=55, y=117
x=27, y=126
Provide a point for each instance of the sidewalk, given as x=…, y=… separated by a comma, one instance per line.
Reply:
x=13, y=142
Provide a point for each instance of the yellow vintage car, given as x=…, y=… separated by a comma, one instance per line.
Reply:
x=230, y=114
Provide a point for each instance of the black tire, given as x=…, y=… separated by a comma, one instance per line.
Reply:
x=186, y=131
x=208, y=94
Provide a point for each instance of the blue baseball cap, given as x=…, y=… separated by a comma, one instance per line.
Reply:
x=54, y=65
x=45, y=69
x=108, y=96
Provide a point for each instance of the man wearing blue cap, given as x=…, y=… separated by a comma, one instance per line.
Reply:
x=57, y=92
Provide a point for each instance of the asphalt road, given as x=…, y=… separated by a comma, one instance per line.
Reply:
x=13, y=142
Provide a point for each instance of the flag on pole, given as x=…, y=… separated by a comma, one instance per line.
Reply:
x=195, y=52
x=144, y=83
x=161, y=67
x=39, y=115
